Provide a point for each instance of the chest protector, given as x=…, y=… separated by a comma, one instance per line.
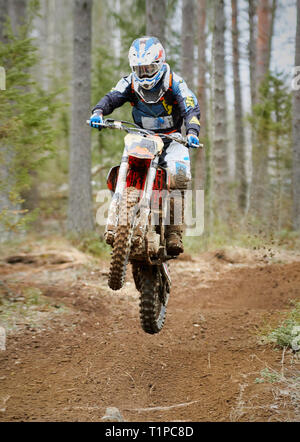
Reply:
x=155, y=95
x=158, y=111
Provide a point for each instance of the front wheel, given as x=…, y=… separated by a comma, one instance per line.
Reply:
x=154, y=291
x=122, y=241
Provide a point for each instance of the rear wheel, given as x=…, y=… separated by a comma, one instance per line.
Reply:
x=154, y=292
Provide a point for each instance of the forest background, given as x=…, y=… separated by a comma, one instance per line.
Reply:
x=238, y=56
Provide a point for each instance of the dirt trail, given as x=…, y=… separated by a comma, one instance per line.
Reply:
x=201, y=367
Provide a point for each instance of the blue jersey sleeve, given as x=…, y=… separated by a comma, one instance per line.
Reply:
x=119, y=95
x=188, y=104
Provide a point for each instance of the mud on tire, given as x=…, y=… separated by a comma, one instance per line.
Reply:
x=153, y=299
x=122, y=242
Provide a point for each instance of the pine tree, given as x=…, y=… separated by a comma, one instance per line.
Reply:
x=130, y=29
x=272, y=122
x=260, y=178
x=187, y=42
x=17, y=13
x=252, y=49
x=80, y=212
x=296, y=133
x=220, y=146
x=199, y=181
x=156, y=12
x=263, y=42
x=240, y=166
x=26, y=135
x=3, y=16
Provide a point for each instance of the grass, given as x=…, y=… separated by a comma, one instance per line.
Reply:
x=236, y=232
x=268, y=375
x=287, y=334
x=285, y=384
x=92, y=244
x=26, y=306
x=244, y=235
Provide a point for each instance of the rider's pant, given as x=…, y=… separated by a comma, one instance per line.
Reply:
x=176, y=158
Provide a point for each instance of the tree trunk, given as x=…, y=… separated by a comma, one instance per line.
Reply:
x=240, y=169
x=80, y=213
x=263, y=43
x=220, y=147
x=273, y=15
x=16, y=10
x=252, y=50
x=187, y=42
x=156, y=11
x=202, y=63
x=252, y=12
x=4, y=12
x=260, y=153
x=199, y=182
x=17, y=13
x=296, y=134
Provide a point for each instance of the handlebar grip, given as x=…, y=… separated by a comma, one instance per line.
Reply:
x=196, y=146
x=96, y=124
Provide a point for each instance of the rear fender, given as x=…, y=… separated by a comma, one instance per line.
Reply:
x=112, y=178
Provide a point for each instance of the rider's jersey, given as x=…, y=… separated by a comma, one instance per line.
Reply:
x=177, y=105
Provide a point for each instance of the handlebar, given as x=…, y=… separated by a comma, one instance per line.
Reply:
x=121, y=125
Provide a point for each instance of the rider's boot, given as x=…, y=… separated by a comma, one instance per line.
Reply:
x=174, y=240
x=174, y=231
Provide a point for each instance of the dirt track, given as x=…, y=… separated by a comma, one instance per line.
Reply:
x=201, y=367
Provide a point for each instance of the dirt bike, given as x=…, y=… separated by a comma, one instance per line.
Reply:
x=138, y=185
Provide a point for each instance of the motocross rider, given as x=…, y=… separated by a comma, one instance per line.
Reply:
x=161, y=101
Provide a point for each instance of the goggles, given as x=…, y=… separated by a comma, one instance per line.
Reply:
x=146, y=71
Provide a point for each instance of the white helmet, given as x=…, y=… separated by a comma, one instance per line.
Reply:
x=147, y=61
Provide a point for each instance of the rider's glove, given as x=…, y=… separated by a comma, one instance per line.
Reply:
x=193, y=140
x=96, y=118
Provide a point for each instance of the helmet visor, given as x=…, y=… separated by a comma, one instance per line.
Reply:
x=146, y=71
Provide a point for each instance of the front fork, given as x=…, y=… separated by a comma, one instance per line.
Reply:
x=112, y=220
x=145, y=203
x=113, y=212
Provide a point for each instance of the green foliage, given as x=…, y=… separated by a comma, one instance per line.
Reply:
x=131, y=29
x=108, y=69
x=26, y=132
x=288, y=333
x=107, y=144
x=267, y=375
x=92, y=244
x=26, y=307
x=33, y=295
x=272, y=114
x=132, y=23
x=271, y=123
x=173, y=54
